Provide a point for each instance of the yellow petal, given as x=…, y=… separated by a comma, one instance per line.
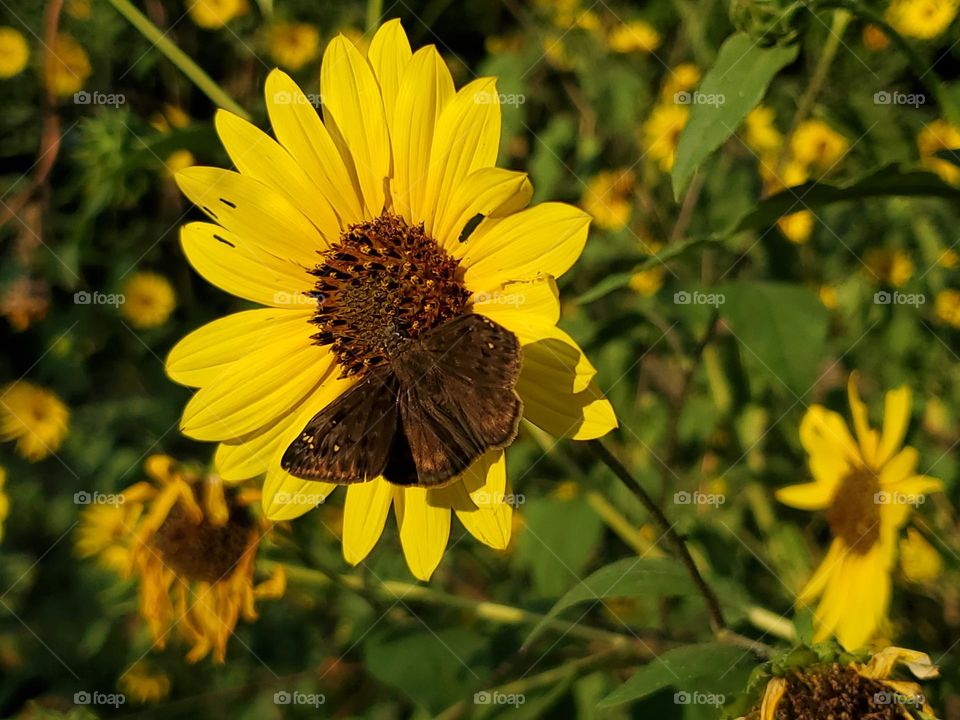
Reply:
x=253, y=211
x=299, y=129
x=521, y=306
x=818, y=582
x=249, y=456
x=353, y=106
x=866, y=435
x=364, y=515
x=489, y=519
x=834, y=600
x=259, y=388
x=896, y=417
x=900, y=466
x=467, y=138
x=824, y=432
x=829, y=469
x=808, y=496
x=917, y=486
x=776, y=688
x=578, y=416
x=389, y=55
x=882, y=665
x=545, y=239
x=241, y=268
x=869, y=594
x=490, y=192
x=207, y=351
x=257, y=155
x=425, y=90
x=424, y=530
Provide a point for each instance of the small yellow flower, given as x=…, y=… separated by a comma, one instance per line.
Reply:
x=946, y=306
x=607, y=198
x=760, y=131
x=566, y=490
x=888, y=266
x=636, y=36
x=34, y=417
x=797, y=227
x=148, y=300
x=923, y=19
x=66, y=66
x=949, y=259
x=866, y=485
x=4, y=501
x=555, y=51
x=791, y=174
x=919, y=560
x=661, y=133
x=828, y=296
x=144, y=683
x=875, y=39
x=683, y=78
x=939, y=135
x=14, y=52
x=178, y=160
x=293, y=45
x=648, y=282
x=816, y=144
x=213, y=14
x=78, y=9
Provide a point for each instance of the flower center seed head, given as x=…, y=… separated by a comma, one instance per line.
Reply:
x=203, y=552
x=384, y=283
x=834, y=692
x=854, y=516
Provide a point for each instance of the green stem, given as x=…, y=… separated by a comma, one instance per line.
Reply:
x=178, y=57
x=374, y=14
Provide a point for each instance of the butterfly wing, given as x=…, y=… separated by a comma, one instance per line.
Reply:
x=349, y=441
x=457, y=397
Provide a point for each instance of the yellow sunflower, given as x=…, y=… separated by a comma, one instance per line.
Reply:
x=36, y=418
x=369, y=235
x=923, y=19
x=14, y=52
x=4, y=501
x=191, y=545
x=866, y=487
x=148, y=300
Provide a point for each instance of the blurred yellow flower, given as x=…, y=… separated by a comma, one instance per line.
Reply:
x=607, y=198
x=36, y=418
x=939, y=135
x=4, y=501
x=923, y=19
x=78, y=9
x=828, y=296
x=555, y=51
x=178, y=160
x=14, y=52
x=816, y=144
x=635, y=36
x=144, y=683
x=683, y=78
x=875, y=39
x=760, y=131
x=919, y=560
x=888, y=266
x=293, y=45
x=148, y=300
x=213, y=14
x=949, y=259
x=946, y=306
x=797, y=227
x=661, y=133
x=103, y=532
x=648, y=282
x=866, y=486
x=791, y=174
x=66, y=66
x=172, y=116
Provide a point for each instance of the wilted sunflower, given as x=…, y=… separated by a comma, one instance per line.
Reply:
x=192, y=547
x=867, y=487
x=411, y=303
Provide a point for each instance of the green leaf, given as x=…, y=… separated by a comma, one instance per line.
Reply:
x=731, y=89
x=630, y=577
x=704, y=668
x=781, y=328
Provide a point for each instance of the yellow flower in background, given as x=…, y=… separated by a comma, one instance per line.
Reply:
x=148, y=300
x=888, y=266
x=607, y=198
x=797, y=227
x=293, y=45
x=946, y=306
x=103, y=532
x=66, y=67
x=866, y=485
x=661, y=133
x=178, y=160
x=289, y=223
x=875, y=39
x=760, y=131
x=36, y=418
x=172, y=117
x=830, y=689
x=555, y=51
x=919, y=560
x=4, y=501
x=816, y=144
x=828, y=296
x=635, y=36
x=939, y=135
x=214, y=14
x=143, y=683
x=192, y=548
x=791, y=174
x=14, y=52
x=78, y=9
x=648, y=282
x=922, y=19
x=948, y=259
x=683, y=78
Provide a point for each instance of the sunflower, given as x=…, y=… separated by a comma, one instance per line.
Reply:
x=844, y=687
x=148, y=300
x=866, y=487
x=4, y=501
x=14, y=52
x=373, y=237
x=36, y=418
x=191, y=544
x=924, y=19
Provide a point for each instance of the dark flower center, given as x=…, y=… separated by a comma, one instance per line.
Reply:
x=836, y=692
x=854, y=515
x=383, y=284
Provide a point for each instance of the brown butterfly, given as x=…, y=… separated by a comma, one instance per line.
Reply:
x=423, y=418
